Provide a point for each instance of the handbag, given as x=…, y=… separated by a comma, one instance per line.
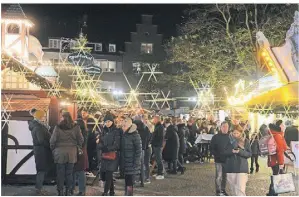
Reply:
x=109, y=156
x=283, y=183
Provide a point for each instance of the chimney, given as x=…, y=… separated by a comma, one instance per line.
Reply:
x=147, y=19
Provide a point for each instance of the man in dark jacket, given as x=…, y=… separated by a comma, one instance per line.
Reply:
x=145, y=135
x=218, y=143
x=131, y=148
x=182, y=130
x=157, y=144
x=192, y=130
x=41, y=148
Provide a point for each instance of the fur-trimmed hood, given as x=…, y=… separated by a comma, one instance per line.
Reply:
x=133, y=128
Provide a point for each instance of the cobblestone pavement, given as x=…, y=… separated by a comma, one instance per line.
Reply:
x=197, y=181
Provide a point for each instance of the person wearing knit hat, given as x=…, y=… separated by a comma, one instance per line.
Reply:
x=41, y=148
x=109, y=144
x=109, y=117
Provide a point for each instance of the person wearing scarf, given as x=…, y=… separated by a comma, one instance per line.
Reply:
x=237, y=151
x=41, y=148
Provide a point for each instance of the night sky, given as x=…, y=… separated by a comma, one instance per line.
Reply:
x=108, y=23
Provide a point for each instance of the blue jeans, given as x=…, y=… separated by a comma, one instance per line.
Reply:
x=64, y=173
x=158, y=155
x=40, y=177
x=80, y=176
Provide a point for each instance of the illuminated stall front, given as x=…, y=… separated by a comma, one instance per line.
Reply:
x=277, y=95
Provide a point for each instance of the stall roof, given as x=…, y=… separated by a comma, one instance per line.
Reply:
x=25, y=102
x=285, y=95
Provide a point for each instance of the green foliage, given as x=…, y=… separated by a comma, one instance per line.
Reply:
x=218, y=43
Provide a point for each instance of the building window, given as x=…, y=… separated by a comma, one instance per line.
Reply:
x=98, y=47
x=106, y=66
x=147, y=48
x=112, y=66
x=112, y=48
x=13, y=28
x=54, y=43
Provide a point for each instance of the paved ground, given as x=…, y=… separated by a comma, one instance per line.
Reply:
x=197, y=181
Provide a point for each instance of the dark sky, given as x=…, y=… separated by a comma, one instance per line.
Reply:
x=106, y=22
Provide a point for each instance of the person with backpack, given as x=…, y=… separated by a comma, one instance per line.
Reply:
x=254, y=142
x=276, y=161
x=237, y=151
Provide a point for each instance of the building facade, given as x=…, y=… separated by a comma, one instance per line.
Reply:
x=105, y=56
x=145, y=46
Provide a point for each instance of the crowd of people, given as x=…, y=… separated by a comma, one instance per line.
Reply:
x=137, y=144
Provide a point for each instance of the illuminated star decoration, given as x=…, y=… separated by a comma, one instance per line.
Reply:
x=152, y=69
x=165, y=99
x=154, y=101
x=205, y=97
x=54, y=89
x=5, y=108
x=133, y=94
x=131, y=98
x=86, y=87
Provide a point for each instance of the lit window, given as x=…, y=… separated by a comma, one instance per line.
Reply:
x=112, y=48
x=147, y=48
x=112, y=66
x=54, y=43
x=98, y=47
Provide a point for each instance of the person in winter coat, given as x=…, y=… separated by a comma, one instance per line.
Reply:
x=65, y=143
x=171, y=150
x=237, y=152
x=109, y=144
x=255, y=150
x=82, y=160
x=157, y=144
x=41, y=148
x=218, y=143
x=276, y=162
x=131, y=152
x=182, y=130
x=145, y=135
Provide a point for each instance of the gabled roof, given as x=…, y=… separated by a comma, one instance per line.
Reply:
x=14, y=11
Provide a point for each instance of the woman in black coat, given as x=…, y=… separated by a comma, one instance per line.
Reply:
x=171, y=149
x=109, y=143
x=131, y=148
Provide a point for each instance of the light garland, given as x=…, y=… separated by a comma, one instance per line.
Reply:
x=5, y=109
